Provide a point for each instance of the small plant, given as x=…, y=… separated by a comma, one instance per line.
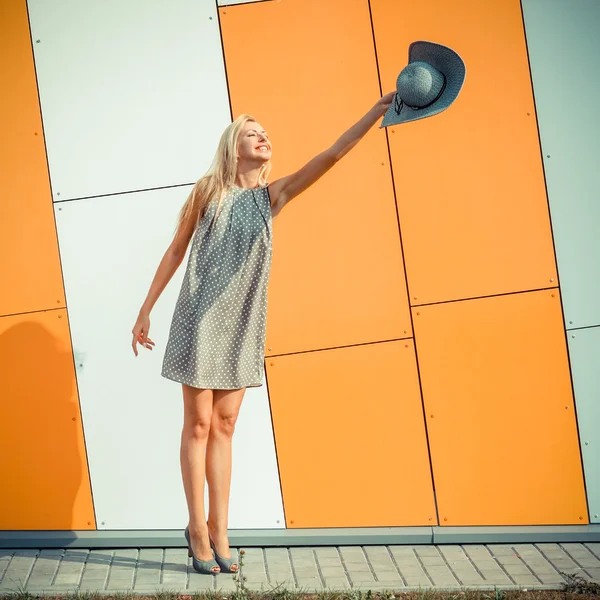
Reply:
x=577, y=584
x=328, y=595
x=498, y=594
x=241, y=591
x=356, y=594
x=279, y=592
x=20, y=594
x=386, y=595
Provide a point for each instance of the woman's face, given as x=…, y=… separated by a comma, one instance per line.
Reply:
x=253, y=143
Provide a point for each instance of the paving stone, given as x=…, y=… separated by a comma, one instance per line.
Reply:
x=311, y=583
x=153, y=589
x=326, y=560
x=433, y=561
x=254, y=570
x=389, y=576
x=582, y=555
x=550, y=549
x=405, y=559
x=280, y=575
x=303, y=560
x=365, y=583
x=439, y=569
x=427, y=551
x=333, y=571
x=495, y=574
x=416, y=581
x=327, y=552
x=486, y=563
x=528, y=580
x=448, y=566
x=276, y=553
x=4, y=562
x=17, y=572
x=288, y=581
x=300, y=551
x=336, y=582
x=500, y=549
x=200, y=583
x=70, y=568
x=352, y=554
x=253, y=555
x=408, y=562
x=354, y=575
x=44, y=569
x=307, y=573
x=594, y=572
x=358, y=567
x=398, y=549
x=509, y=560
x=517, y=569
x=221, y=581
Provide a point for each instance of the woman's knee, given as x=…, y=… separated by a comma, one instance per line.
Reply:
x=197, y=415
x=223, y=423
x=197, y=428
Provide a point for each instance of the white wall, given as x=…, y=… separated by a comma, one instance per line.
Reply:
x=134, y=100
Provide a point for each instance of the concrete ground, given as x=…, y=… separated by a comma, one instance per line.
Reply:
x=394, y=567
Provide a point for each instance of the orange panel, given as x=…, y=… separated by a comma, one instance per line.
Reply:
x=337, y=275
x=44, y=469
x=470, y=183
x=350, y=437
x=500, y=412
x=30, y=266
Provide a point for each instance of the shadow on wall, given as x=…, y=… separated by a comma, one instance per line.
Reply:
x=41, y=439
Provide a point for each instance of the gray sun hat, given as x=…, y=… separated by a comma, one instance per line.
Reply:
x=428, y=85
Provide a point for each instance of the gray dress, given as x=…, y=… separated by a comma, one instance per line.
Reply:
x=217, y=334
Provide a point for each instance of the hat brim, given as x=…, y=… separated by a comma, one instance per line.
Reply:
x=445, y=60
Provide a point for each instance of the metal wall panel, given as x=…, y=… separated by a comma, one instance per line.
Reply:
x=43, y=471
x=110, y=249
x=584, y=349
x=564, y=47
x=351, y=437
x=469, y=181
x=338, y=275
x=133, y=94
x=29, y=260
x=500, y=416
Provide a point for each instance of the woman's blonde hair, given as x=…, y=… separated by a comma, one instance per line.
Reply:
x=220, y=176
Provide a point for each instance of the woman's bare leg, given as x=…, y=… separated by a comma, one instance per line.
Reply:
x=197, y=415
x=226, y=407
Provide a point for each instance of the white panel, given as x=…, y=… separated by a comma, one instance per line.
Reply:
x=132, y=416
x=584, y=350
x=133, y=94
x=564, y=47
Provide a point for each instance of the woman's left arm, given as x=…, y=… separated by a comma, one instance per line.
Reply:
x=282, y=190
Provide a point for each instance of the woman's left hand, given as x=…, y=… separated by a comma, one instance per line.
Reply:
x=384, y=103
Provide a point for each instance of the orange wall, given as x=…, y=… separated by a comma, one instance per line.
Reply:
x=337, y=272
x=44, y=463
x=469, y=182
x=478, y=406
x=31, y=273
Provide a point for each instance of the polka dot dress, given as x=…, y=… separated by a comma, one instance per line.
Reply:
x=217, y=335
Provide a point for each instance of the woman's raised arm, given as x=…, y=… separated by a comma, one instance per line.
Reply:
x=282, y=190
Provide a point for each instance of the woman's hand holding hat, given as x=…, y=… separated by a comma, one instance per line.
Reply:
x=384, y=103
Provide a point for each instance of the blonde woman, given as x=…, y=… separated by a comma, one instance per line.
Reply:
x=216, y=341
